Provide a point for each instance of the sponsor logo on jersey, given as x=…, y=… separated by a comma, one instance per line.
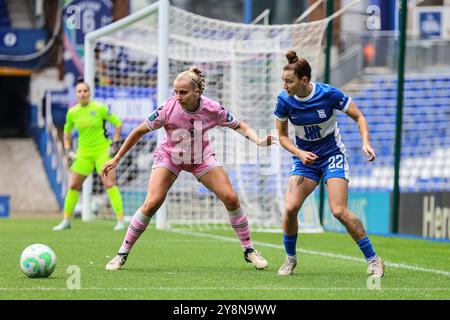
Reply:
x=229, y=117
x=312, y=132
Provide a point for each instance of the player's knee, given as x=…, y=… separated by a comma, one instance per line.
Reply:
x=231, y=200
x=150, y=206
x=108, y=184
x=338, y=211
x=75, y=186
x=292, y=210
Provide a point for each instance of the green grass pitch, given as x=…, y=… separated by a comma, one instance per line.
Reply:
x=209, y=265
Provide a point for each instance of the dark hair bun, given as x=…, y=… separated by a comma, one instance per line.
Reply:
x=291, y=56
x=80, y=80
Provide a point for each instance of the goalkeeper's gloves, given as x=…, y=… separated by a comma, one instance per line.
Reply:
x=114, y=148
x=70, y=156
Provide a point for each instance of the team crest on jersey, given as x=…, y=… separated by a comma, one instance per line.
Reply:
x=322, y=113
x=93, y=113
x=229, y=117
x=153, y=116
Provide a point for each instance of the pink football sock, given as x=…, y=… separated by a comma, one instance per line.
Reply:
x=137, y=226
x=240, y=226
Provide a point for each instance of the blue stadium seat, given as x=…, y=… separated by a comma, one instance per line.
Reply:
x=5, y=20
x=426, y=118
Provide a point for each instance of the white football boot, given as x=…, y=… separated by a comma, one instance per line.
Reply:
x=117, y=262
x=119, y=226
x=64, y=225
x=252, y=256
x=288, y=266
x=376, y=267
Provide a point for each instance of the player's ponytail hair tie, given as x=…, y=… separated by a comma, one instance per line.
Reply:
x=195, y=75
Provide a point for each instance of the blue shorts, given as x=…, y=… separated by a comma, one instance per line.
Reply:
x=334, y=165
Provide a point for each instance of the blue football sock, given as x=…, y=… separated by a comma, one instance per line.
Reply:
x=366, y=247
x=290, y=243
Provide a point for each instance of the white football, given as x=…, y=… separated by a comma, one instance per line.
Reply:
x=38, y=261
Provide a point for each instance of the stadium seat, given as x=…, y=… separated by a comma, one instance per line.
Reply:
x=5, y=20
x=425, y=132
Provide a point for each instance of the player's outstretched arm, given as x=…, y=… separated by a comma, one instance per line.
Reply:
x=130, y=141
x=356, y=114
x=245, y=130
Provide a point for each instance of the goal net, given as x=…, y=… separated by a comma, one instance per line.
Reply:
x=242, y=65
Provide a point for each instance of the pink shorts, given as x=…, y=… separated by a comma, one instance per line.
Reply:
x=163, y=160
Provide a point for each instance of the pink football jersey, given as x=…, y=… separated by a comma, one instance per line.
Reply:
x=186, y=139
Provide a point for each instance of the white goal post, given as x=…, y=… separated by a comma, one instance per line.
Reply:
x=130, y=65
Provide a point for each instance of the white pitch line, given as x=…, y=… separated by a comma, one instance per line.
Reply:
x=222, y=289
x=313, y=252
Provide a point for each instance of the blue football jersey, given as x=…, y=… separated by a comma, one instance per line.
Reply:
x=314, y=118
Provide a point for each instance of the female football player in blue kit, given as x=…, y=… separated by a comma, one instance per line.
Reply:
x=319, y=152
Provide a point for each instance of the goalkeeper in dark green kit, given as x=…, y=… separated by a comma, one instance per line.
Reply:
x=94, y=149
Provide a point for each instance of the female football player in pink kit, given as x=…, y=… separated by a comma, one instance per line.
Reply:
x=186, y=117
